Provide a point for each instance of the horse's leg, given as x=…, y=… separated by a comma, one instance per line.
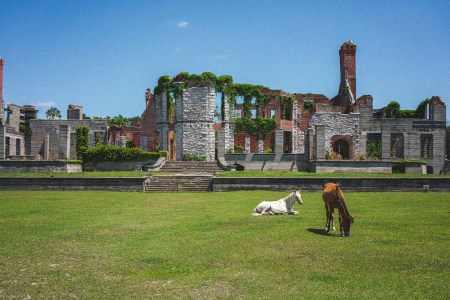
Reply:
x=267, y=210
x=332, y=219
x=327, y=228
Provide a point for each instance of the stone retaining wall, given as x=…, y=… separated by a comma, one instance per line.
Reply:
x=39, y=166
x=222, y=184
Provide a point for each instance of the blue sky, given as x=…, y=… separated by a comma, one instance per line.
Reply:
x=103, y=55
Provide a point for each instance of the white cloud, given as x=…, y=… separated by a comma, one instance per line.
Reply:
x=182, y=24
x=43, y=104
x=221, y=56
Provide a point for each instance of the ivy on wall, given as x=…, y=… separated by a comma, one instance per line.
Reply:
x=224, y=85
x=82, y=143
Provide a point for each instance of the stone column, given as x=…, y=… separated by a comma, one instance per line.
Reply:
x=247, y=144
x=122, y=141
x=64, y=142
x=221, y=141
x=260, y=146
x=320, y=141
x=46, y=154
x=310, y=144
x=278, y=141
x=385, y=143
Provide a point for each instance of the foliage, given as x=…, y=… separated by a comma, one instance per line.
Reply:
x=98, y=138
x=53, y=113
x=82, y=143
x=130, y=144
x=26, y=131
x=393, y=110
x=238, y=148
x=400, y=240
x=105, y=153
x=373, y=149
x=308, y=106
x=193, y=157
x=286, y=107
x=255, y=126
x=120, y=121
x=422, y=109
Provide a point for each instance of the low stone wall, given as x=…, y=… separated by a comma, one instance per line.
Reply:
x=221, y=184
x=125, y=184
x=118, y=166
x=39, y=166
x=351, y=166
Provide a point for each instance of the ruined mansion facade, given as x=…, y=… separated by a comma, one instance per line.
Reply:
x=311, y=126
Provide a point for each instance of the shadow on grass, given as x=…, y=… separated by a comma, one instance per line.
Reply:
x=321, y=232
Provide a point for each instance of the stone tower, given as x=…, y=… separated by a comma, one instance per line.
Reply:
x=2, y=111
x=347, y=55
x=195, y=122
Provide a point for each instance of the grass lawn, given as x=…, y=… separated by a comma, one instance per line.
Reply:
x=97, y=245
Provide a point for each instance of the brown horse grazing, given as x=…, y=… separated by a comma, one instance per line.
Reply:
x=334, y=198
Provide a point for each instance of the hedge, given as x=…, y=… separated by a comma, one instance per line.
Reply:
x=103, y=153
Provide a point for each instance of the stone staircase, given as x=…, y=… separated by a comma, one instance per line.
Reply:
x=190, y=166
x=178, y=183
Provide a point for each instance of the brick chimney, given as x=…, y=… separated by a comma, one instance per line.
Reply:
x=347, y=55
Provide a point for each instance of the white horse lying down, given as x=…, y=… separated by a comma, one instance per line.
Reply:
x=280, y=207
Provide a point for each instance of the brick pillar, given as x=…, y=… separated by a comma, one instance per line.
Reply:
x=320, y=141
x=64, y=142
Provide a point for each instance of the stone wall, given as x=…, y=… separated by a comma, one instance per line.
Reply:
x=336, y=124
x=51, y=137
x=34, y=166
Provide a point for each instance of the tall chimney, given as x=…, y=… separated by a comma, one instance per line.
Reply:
x=347, y=55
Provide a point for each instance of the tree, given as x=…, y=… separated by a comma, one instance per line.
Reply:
x=53, y=113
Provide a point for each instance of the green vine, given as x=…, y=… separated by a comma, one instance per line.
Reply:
x=255, y=126
x=82, y=143
x=286, y=107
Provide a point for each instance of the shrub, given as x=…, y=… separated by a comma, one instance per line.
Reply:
x=105, y=153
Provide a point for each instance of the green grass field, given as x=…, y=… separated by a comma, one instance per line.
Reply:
x=112, y=245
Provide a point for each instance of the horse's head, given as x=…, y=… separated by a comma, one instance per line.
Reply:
x=347, y=222
x=298, y=197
